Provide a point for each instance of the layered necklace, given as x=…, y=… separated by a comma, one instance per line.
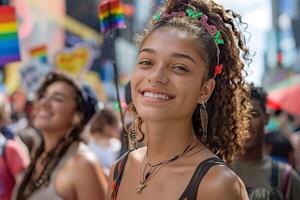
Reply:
x=151, y=169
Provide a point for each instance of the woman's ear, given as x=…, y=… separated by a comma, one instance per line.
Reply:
x=206, y=90
x=76, y=120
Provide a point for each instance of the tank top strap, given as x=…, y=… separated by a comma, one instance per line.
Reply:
x=191, y=190
x=118, y=173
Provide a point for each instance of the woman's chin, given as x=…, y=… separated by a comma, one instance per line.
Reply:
x=154, y=116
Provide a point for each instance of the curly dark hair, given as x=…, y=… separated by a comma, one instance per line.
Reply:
x=258, y=94
x=229, y=107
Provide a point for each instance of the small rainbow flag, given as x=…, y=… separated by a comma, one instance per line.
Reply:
x=39, y=52
x=9, y=43
x=111, y=15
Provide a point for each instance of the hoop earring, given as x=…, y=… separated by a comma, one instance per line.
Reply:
x=204, y=121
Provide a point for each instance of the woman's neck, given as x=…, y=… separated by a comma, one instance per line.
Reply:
x=51, y=139
x=166, y=139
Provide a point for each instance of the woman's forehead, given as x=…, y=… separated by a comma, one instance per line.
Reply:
x=169, y=32
x=61, y=87
x=172, y=40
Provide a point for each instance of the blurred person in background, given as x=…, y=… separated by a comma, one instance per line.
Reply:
x=279, y=147
x=105, y=130
x=17, y=115
x=29, y=135
x=287, y=125
x=295, y=139
x=264, y=178
x=63, y=167
x=13, y=158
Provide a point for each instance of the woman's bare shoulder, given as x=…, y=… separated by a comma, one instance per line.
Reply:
x=83, y=157
x=85, y=175
x=134, y=157
x=84, y=163
x=222, y=179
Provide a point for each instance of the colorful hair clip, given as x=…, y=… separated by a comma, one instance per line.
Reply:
x=218, y=38
x=193, y=14
x=209, y=28
x=157, y=16
x=218, y=70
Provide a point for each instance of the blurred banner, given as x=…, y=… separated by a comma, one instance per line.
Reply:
x=32, y=73
x=9, y=41
x=39, y=52
x=75, y=60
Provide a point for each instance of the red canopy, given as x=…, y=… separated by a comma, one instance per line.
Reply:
x=287, y=98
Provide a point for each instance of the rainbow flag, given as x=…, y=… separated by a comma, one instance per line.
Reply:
x=9, y=43
x=39, y=52
x=111, y=15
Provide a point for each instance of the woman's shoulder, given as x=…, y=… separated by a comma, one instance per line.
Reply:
x=83, y=156
x=84, y=159
x=222, y=179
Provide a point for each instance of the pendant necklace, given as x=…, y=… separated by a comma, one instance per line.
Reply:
x=150, y=170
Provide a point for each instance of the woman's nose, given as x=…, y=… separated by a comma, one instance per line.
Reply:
x=158, y=76
x=44, y=101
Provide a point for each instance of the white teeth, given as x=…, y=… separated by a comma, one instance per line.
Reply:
x=157, y=96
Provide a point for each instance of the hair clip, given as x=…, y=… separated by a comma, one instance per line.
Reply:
x=200, y=16
x=173, y=14
x=209, y=28
x=218, y=70
x=157, y=16
x=218, y=38
x=191, y=13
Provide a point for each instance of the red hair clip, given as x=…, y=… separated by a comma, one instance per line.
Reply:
x=218, y=70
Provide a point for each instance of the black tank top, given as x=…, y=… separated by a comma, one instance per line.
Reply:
x=190, y=193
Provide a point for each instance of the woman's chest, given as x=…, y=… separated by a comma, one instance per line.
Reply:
x=166, y=183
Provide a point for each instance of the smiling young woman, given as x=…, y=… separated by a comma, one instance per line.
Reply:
x=63, y=167
x=190, y=102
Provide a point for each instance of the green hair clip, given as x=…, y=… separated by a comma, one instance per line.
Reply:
x=157, y=16
x=193, y=14
x=218, y=38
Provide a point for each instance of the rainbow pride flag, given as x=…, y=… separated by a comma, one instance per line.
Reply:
x=111, y=15
x=9, y=43
x=39, y=52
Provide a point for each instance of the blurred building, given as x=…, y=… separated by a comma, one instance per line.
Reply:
x=282, y=54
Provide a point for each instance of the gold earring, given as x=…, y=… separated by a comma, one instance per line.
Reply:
x=204, y=121
x=133, y=138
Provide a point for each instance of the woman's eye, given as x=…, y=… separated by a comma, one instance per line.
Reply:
x=145, y=62
x=58, y=99
x=254, y=114
x=180, y=68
